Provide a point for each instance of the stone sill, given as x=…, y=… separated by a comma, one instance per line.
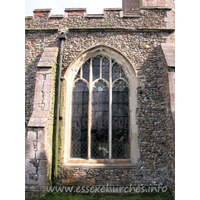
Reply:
x=100, y=165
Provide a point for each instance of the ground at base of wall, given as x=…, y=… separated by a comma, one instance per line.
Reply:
x=140, y=196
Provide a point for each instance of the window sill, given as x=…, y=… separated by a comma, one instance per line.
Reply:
x=100, y=163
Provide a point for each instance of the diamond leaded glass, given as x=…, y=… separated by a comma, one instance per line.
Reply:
x=120, y=120
x=100, y=114
x=96, y=68
x=86, y=71
x=79, y=134
x=115, y=72
x=105, y=69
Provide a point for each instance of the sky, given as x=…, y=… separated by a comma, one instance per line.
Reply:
x=58, y=6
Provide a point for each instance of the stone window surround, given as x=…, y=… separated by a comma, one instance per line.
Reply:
x=91, y=85
x=134, y=83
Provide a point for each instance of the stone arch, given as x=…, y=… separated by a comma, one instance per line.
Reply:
x=130, y=72
x=103, y=50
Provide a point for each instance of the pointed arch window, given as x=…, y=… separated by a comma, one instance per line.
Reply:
x=100, y=111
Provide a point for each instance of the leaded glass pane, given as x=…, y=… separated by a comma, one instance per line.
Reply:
x=100, y=118
x=79, y=136
x=120, y=121
x=118, y=72
x=115, y=72
x=96, y=68
x=86, y=72
x=105, y=69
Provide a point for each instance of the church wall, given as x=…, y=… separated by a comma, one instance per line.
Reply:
x=139, y=39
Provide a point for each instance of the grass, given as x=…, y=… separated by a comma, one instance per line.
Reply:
x=140, y=196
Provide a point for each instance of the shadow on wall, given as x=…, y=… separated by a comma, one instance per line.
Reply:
x=155, y=121
x=35, y=44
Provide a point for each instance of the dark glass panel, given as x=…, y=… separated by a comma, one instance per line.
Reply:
x=96, y=68
x=100, y=118
x=115, y=72
x=86, y=72
x=120, y=121
x=118, y=72
x=105, y=69
x=79, y=135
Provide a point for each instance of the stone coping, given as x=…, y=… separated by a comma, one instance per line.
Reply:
x=38, y=119
x=169, y=52
x=112, y=9
x=29, y=17
x=33, y=30
x=101, y=29
x=154, y=8
x=75, y=9
x=116, y=29
x=48, y=58
x=42, y=10
x=56, y=16
x=94, y=16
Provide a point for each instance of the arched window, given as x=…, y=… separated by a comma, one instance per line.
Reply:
x=100, y=101
x=100, y=111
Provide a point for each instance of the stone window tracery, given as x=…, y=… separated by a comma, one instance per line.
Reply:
x=100, y=111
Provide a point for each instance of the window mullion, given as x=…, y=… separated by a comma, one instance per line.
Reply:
x=90, y=110
x=101, y=59
x=110, y=109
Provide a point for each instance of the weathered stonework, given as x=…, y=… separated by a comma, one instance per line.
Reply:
x=111, y=18
x=131, y=7
x=39, y=130
x=112, y=176
x=145, y=42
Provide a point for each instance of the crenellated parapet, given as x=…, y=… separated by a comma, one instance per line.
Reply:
x=151, y=17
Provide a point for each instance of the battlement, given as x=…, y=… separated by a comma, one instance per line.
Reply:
x=70, y=12
x=148, y=16
x=130, y=8
x=82, y=12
